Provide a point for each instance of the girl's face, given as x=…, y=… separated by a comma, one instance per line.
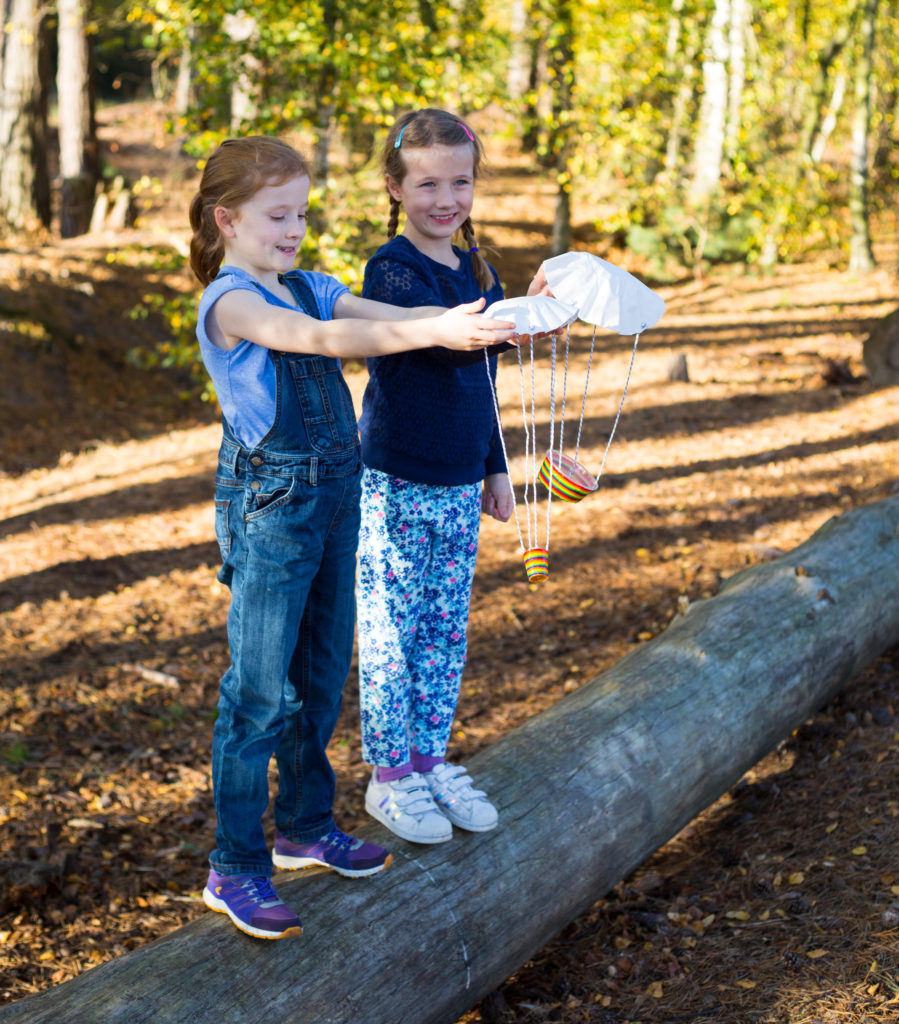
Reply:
x=262, y=235
x=437, y=194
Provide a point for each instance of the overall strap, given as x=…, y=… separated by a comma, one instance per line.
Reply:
x=302, y=292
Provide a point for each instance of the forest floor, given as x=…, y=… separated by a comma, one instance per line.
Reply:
x=779, y=904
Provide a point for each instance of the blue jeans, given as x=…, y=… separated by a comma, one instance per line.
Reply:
x=288, y=531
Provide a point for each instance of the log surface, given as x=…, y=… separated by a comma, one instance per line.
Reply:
x=586, y=791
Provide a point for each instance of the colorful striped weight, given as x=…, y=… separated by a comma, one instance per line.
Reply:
x=565, y=478
x=536, y=564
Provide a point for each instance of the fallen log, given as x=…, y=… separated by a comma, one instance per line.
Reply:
x=586, y=791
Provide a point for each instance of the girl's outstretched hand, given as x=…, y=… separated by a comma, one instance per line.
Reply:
x=462, y=328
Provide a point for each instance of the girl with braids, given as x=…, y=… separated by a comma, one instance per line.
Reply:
x=287, y=515
x=429, y=438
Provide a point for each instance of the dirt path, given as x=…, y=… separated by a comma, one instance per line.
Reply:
x=112, y=629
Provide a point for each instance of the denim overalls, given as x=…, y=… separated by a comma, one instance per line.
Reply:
x=287, y=523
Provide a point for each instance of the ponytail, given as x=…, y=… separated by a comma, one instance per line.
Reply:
x=207, y=247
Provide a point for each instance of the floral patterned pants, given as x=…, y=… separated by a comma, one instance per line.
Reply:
x=417, y=549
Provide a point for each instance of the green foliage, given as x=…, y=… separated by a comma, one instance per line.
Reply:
x=323, y=63
x=14, y=754
x=612, y=108
x=179, y=350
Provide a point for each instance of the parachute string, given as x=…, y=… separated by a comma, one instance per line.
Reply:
x=502, y=441
x=552, y=424
x=620, y=407
x=580, y=426
x=533, y=449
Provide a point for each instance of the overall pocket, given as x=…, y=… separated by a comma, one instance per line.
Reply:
x=325, y=403
x=265, y=495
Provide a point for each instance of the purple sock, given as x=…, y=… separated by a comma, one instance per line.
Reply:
x=383, y=774
x=424, y=762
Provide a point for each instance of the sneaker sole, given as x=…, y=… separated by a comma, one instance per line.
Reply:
x=375, y=811
x=299, y=863
x=221, y=907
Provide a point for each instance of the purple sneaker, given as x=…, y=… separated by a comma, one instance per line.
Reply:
x=341, y=852
x=252, y=904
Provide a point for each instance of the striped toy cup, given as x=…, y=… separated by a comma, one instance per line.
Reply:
x=565, y=478
x=536, y=564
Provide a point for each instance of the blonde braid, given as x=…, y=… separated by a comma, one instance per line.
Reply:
x=482, y=272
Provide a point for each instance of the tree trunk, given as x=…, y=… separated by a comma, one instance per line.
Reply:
x=740, y=25
x=829, y=120
x=518, y=74
x=680, y=53
x=586, y=791
x=24, y=177
x=562, y=80
x=77, y=143
x=184, y=80
x=709, y=148
x=861, y=255
x=241, y=28
x=530, y=113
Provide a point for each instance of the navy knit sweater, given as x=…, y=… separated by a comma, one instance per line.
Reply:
x=427, y=416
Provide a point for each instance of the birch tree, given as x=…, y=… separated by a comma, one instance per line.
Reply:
x=78, y=163
x=710, y=132
x=24, y=178
x=561, y=58
x=861, y=255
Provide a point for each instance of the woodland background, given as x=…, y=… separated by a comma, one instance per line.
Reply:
x=738, y=155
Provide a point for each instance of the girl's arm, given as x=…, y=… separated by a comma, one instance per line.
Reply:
x=373, y=309
x=242, y=314
x=354, y=306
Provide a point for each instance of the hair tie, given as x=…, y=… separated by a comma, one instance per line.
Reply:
x=473, y=249
x=399, y=138
x=466, y=129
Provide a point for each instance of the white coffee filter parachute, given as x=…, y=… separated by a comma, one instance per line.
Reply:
x=583, y=287
x=603, y=294
x=533, y=314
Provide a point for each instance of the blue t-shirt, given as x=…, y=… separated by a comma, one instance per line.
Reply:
x=244, y=377
x=427, y=415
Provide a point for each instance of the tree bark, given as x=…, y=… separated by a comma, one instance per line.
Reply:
x=242, y=28
x=184, y=80
x=24, y=177
x=861, y=255
x=712, y=120
x=586, y=791
x=562, y=84
x=78, y=165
